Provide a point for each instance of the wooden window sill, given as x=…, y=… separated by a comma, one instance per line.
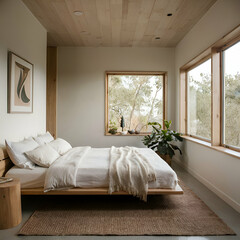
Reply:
x=128, y=134
x=217, y=148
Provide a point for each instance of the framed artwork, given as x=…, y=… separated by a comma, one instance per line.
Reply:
x=20, y=85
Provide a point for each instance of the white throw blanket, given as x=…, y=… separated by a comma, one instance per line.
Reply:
x=62, y=173
x=130, y=171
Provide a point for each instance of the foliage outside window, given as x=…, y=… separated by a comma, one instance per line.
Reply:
x=199, y=100
x=231, y=96
x=138, y=98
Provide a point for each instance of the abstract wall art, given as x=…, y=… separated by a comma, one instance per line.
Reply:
x=20, y=85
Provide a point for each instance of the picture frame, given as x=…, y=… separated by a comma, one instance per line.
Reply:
x=20, y=84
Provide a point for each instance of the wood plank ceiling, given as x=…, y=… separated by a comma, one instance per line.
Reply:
x=122, y=23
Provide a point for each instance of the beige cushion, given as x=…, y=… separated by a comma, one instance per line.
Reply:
x=60, y=145
x=43, y=156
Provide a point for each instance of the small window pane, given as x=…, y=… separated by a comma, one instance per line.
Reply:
x=138, y=98
x=199, y=100
x=231, y=109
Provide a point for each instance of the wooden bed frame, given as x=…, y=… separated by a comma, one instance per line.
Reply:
x=6, y=164
x=96, y=191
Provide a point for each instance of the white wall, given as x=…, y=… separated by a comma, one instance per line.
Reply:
x=22, y=34
x=81, y=78
x=220, y=172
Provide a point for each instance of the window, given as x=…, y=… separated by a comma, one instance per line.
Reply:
x=210, y=96
x=231, y=96
x=137, y=97
x=199, y=100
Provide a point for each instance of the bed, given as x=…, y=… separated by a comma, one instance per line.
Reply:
x=92, y=176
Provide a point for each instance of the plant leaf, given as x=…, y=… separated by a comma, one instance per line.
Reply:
x=170, y=151
x=176, y=148
x=162, y=148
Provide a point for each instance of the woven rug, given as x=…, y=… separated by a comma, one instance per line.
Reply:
x=182, y=215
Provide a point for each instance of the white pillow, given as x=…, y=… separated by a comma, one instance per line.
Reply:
x=44, y=138
x=60, y=145
x=43, y=156
x=16, y=152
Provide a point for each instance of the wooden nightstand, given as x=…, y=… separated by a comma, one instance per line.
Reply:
x=10, y=204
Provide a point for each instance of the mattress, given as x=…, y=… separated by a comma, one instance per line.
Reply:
x=93, y=171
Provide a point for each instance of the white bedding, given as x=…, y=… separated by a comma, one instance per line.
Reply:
x=130, y=171
x=62, y=174
x=93, y=171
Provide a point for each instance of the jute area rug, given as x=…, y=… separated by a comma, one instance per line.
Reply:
x=178, y=215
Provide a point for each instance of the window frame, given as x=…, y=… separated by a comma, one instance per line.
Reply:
x=215, y=51
x=222, y=49
x=165, y=87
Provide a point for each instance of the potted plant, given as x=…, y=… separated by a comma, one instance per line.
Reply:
x=112, y=127
x=160, y=140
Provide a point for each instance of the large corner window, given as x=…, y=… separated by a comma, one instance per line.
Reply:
x=231, y=96
x=199, y=101
x=134, y=99
x=210, y=96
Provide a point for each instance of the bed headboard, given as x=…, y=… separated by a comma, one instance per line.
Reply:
x=5, y=162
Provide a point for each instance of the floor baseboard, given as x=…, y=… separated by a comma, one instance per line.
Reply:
x=209, y=185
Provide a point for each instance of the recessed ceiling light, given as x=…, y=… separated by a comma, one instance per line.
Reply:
x=169, y=14
x=78, y=13
x=157, y=38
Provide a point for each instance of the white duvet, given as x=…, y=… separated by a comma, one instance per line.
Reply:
x=93, y=171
